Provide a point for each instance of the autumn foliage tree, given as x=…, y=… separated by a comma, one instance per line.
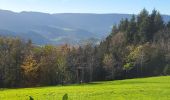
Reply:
x=30, y=70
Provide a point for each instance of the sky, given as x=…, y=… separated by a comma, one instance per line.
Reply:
x=86, y=6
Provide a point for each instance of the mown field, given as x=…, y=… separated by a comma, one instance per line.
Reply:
x=154, y=88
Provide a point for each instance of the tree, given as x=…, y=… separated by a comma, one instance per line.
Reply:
x=11, y=54
x=49, y=71
x=143, y=15
x=114, y=30
x=109, y=66
x=156, y=23
x=134, y=59
x=123, y=25
x=131, y=33
x=143, y=26
x=63, y=70
x=159, y=23
x=30, y=68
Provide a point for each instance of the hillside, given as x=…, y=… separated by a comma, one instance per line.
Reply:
x=138, y=47
x=155, y=88
x=70, y=28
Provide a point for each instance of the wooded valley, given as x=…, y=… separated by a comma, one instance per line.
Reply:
x=139, y=47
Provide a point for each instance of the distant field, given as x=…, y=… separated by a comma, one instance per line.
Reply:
x=155, y=88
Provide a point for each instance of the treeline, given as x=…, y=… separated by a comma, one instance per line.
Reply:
x=138, y=47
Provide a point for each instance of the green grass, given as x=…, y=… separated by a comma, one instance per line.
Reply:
x=154, y=88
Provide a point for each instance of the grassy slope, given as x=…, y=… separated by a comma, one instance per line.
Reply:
x=156, y=88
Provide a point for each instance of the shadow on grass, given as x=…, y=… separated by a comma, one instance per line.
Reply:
x=94, y=83
x=65, y=97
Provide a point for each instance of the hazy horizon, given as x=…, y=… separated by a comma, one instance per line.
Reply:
x=78, y=12
x=85, y=6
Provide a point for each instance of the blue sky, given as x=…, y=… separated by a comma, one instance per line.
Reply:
x=86, y=6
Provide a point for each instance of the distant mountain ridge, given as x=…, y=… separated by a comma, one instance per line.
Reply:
x=71, y=28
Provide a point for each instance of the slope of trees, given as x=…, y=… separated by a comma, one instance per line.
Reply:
x=139, y=47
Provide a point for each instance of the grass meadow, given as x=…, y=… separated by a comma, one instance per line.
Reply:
x=154, y=88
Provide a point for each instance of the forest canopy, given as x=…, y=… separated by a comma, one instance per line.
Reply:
x=139, y=47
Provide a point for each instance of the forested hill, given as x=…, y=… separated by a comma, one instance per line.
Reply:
x=57, y=29
x=137, y=47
